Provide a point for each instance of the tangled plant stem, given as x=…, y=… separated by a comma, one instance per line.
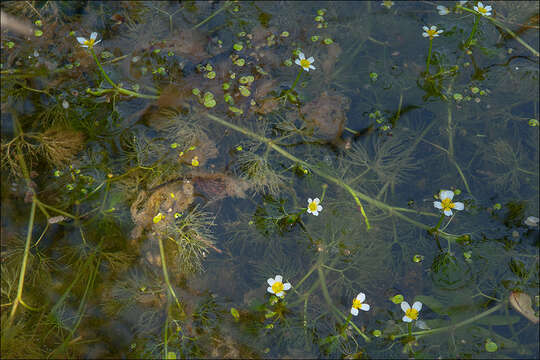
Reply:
x=451, y=327
x=116, y=88
x=357, y=195
x=500, y=25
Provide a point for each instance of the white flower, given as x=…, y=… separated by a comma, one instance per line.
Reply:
x=483, y=10
x=387, y=4
x=443, y=10
x=88, y=43
x=358, y=303
x=411, y=313
x=532, y=221
x=446, y=204
x=277, y=286
x=431, y=32
x=305, y=63
x=313, y=206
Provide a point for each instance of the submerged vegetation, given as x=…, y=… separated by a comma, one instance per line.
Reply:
x=235, y=179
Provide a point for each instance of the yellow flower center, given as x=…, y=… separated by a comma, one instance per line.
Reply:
x=482, y=10
x=412, y=313
x=195, y=161
x=305, y=63
x=89, y=42
x=356, y=304
x=447, y=204
x=312, y=206
x=277, y=287
x=431, y=33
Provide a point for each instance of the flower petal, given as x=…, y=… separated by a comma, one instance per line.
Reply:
x=311, y=60
x=279, y=278
x=93, y=35
x=286, y=286
x=448, y=212
x=310, y=200
x=405, y=306
x=417, y=305
x=312, y=67
x=316, y=201
x=97, y=42
x=446, y=194
x=425, y=34
x=297, y=62
x=270, y=281
x=280, y=294
x=319, y=207
x=316, y=213
x=361, y=297
x=425, y=28
x=437, y=204
x=488, y=8
x=354, y=311
x=365, y=307
x=406, y=319
x=459, y=206
x=270, y=290
x=81, y=40
x=434, y=28
x=301, y=56
x=480, y=4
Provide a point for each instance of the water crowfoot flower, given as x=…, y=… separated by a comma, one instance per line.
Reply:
x=387, y=4
x=88, y=43
x=277, y=286
x=446, y=204
x=314, y=207
x=483, y=10
x=358, y=303
x=411, y=313
x=431, y=32
x=305, y=63
x=443, y=10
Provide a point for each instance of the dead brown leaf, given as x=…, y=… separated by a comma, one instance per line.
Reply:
x=327, y=114
x=523, y=304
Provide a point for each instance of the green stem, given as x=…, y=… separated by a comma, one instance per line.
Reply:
x=324, y=187
x=328, y=299
x=473, y=31
x=410, y=329
x=166, y=274
x=101, y=68
x=22, y=273
x=225, y=6
x=510, y=32
x=454, y=326
x=357, y=195
x=440, y=222
x=313, y=268
x=429, y=55
x=116, y=88
x=347, y=321
x=295, y=81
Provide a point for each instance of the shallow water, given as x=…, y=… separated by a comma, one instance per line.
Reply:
x=153, y=182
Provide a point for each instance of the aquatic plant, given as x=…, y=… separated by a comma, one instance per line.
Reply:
x=127, y=153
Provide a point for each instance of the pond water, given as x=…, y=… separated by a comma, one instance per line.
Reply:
x=270, y=179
